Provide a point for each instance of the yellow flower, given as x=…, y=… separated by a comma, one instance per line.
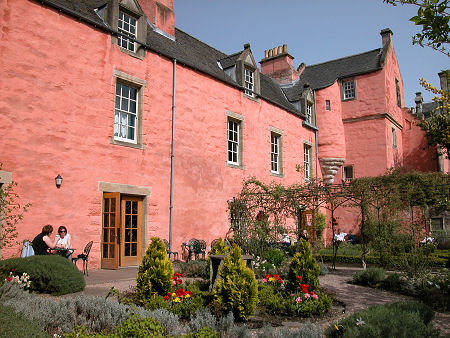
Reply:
x=336, y=327
x=177, y=300
x=187, y=296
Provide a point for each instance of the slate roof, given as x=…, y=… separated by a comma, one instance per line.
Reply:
x=186, y=49
x=325, y=74
x=428, y=108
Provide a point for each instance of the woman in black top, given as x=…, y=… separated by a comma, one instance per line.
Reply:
x=42, y=242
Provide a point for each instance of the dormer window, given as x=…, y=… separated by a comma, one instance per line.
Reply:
x=128, y=26
x=249, y=81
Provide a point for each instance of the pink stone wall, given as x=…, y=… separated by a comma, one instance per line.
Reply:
x=331, y=128
x=57, y=117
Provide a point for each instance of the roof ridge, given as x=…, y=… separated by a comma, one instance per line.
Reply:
x=193, y=37
x=230, y=55
x=345, y=57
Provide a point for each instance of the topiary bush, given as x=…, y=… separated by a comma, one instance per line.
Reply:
x=399, y=319
x=155, y=272
x=236, y=289
x=304, y=265
x=52, y=274
x=370, y=276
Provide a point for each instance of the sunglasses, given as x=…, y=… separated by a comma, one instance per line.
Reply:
x=62, y=231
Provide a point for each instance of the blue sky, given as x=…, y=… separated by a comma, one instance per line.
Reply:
x=315, y=32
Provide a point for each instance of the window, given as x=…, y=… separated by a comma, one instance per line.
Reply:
x=437, y=224
x=327, y=105
x=309, y=109
x=249, y=81
x=275, y=152
x=399, y=97
x=307, y=161
x=125, y=114
x=394, y=137
x=348, y=90
x=233, y=141
x=128, y=26
x=348, y=173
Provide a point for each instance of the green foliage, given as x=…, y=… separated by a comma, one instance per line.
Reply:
x=392, y=282
x=219, y=248
x=155, y=272
x=323, y=269
x=312, y=307
x=370, y=277
x=138, y=327
x=275, y=256
x=271, y=300
x=50, y=274
x=195, y=269
x=14, y=325
x=303, y=264
x=433, y=17
x=400, y=319
x=205, y=332
x=321, y=224
x=236, y=290
x=11, y=212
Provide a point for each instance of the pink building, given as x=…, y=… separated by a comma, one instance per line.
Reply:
x=153, y=131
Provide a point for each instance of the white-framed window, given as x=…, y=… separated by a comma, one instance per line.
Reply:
x=275, y=153
x=348, y=90
x=309, y=110
x=348, y=173
x=327, y=105
x=307, y=161
x=128, y=26
x=234, y=130
x=249, y=81
x=126, y=113
x=394, y=137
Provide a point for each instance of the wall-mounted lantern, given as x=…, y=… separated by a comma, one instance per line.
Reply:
x=58, y=181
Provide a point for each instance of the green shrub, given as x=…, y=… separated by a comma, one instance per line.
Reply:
x=155, y=272
x=321, y=223
x=14, y=325
x=236, y=289
x=400, y=319
x=270, y=299
x=392, y=282
x=323, y=269
x=370, y=276
x=275, y=256
x=52, y=274
x=205, y=332
x=309, y=307
x=303, y=264
x=197, y=268
x=219, y=248
x=138, y=327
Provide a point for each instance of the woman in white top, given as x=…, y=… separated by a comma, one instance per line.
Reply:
x=64, y=242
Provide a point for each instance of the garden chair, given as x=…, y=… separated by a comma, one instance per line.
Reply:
x=199, y=248
x=169, y=252
x=84, y=257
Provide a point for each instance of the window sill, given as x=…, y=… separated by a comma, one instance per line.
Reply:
x=126, y=144
x=280, y=175
x=350, y=99
x=236, y=166
x=253, y=98
x=139, y=54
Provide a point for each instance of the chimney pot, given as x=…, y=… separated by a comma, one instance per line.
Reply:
x=280, y=50
x=266, y=54
x=247, y=46
x=275, y=51
x=285, y=48
x=386, y=36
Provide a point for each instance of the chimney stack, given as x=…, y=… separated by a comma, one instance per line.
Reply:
x=160, y=13
x=444, y=78
x=386, y=36
x=277, y=64
x=419, y=101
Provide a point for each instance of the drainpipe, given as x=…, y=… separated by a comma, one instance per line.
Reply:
x=172, y=155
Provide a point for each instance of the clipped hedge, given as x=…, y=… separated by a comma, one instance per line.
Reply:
x=52, y=274
x=433, y=260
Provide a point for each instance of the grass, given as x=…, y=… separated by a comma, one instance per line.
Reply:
x=14, y=325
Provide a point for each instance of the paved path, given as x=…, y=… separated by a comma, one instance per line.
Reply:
x=354, y=297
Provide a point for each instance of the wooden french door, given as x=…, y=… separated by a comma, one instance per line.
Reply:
x=121, y=231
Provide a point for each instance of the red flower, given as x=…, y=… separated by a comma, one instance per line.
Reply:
x=166, y=297
x=9, y=279
x=299, y=278
x=304, y=288
x=311, y=293
x=180, y=293
x=276, y=276
x=268, y=276
x=179, y=281
x=189, y=293
x=280, y=281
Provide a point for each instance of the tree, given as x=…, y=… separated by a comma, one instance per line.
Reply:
x=11, y=212
x=437, y=127
x=433, y=16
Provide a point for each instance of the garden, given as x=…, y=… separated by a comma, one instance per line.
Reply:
x=41, y=295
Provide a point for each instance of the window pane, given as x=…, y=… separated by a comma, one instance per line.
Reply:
x=127, y=249
x=105, y=250
x=105, y=235
x=111, y=251
x=134, y=249
x=106, y=220
x=134, y=235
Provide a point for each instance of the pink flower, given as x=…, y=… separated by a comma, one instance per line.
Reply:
x=174, y=282
x=306, y=295
x=315, y=296
x=9, y=279
x=293, y=295
x=264, y=280
x=298, y=300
